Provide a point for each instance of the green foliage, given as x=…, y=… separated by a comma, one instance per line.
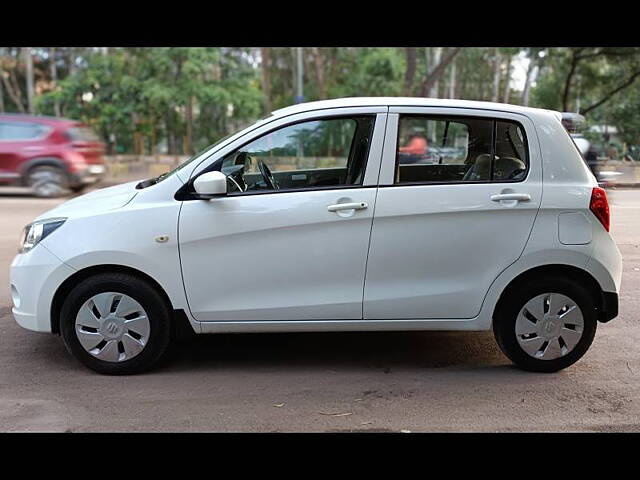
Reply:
x=372, y=72
x=186, y=98
x=148, y=90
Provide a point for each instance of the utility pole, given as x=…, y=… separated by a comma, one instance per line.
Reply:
x=299, y=98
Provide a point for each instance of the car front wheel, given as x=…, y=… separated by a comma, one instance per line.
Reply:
x=546, y=325
x=115, y=324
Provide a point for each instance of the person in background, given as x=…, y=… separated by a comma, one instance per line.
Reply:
x=415, y=149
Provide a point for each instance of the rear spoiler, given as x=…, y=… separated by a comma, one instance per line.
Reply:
x=573, y=122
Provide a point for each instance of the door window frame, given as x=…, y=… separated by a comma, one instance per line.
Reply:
x=389, y=165
x=217, y=165
x=372, y=165
x=459, y=119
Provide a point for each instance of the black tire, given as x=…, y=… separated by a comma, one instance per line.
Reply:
x=47, y=181
x=505, y=320
x=147, y=296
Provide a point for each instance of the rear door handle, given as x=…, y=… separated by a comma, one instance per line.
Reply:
x=519, y=197
x=347, y=206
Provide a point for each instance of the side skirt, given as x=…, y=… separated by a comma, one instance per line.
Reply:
x=475, y=324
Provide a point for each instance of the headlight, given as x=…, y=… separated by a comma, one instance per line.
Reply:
x=36, y=231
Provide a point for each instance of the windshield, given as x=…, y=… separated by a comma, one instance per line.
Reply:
x=159, y=178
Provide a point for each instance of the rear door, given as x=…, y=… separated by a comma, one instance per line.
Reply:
x=449, y=219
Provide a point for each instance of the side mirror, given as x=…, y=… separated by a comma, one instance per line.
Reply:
x=210, y=184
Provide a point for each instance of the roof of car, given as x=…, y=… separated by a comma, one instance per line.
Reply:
x=44, y=119
x=405, y=102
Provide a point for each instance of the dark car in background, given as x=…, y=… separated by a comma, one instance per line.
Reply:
x=50, y=155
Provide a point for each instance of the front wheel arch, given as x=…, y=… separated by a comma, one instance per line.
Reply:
x=66, y=287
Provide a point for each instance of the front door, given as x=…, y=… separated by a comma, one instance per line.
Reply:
x=289, y=241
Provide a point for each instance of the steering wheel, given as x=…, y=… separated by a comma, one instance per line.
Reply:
x=268, y=176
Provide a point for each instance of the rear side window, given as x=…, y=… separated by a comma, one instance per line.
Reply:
x=10, y=131
x=81, y=134
x=459, y=150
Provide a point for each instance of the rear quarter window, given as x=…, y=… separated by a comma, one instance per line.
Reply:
x=81, y=134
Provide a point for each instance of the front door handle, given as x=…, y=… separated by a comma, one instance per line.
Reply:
x=347, y=206
x=518, y=197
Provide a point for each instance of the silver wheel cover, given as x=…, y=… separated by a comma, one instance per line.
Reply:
x=46, y=183
x=549, y=326
x=112, y=327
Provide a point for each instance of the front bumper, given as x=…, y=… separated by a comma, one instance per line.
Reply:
x=91, y=174
x=34, y=278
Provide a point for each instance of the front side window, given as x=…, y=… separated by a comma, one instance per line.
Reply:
x=457, y=149
x=21, y=131
x=313, y=154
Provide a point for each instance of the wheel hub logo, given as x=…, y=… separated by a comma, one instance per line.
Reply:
x=112, y=328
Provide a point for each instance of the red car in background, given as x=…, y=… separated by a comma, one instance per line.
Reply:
x=49, y=155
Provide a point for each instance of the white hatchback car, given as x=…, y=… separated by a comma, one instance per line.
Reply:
x=348, y=214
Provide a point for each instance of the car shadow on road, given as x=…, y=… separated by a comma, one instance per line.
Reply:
x=336, y=350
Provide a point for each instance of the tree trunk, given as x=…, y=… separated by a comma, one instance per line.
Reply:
x=320, y=76
x=496, y=75
x=524, y=99
x=628, y=82
x=507, y=81
x=430, y=83
x=13, y=90
x=433, y=88
x=171, y=139
x=567, y=83
x=28, y=60
x=71, y=60
x=410, y=72
x=452, y=80
x=265, y=54
x=189, y=134
x=54, y=79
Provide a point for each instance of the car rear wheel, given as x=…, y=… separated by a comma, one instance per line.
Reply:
x=47, y=181
x=546, y=325
x=115, y=324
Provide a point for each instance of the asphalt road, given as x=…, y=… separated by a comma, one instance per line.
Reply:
x=340, y=382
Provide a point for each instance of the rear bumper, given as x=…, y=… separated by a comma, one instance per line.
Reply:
x=609, y=309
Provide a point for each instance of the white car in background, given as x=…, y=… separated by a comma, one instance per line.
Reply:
x=306, y=221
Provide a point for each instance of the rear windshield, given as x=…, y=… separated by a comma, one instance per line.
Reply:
x=82, y=134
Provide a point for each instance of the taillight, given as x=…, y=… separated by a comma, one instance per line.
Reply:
x=599, y=205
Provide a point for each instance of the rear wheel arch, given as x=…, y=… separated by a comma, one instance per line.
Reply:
x=66, y=287
x=575, y=274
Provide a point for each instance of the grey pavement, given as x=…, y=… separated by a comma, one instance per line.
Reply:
x=420, y=381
